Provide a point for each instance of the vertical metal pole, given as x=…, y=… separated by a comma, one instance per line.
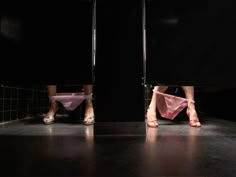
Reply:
x=93, y=48
x=144, y=41
x=144, y=80
x=93, y=40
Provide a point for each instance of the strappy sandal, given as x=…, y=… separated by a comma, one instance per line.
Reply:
x=194, y=122
x=48, y=119
x=89, y=120
x=151, y=120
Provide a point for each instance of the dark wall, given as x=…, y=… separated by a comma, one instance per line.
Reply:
x=218, y=103
x=22, y=101
x=191, y=42
x=55, y=42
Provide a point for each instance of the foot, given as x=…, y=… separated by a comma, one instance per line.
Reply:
x=192, y=114
x=48, y=119
x=89, y=118
x=50, y=116
x=151, y=118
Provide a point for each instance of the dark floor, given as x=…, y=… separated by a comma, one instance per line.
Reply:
x=118, y=149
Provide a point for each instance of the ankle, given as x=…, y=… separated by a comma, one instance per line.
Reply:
x=151, y=112
x=53, y=108
x=89, y=110
x=191, y=105
x=88, y=103
x=152, y=107
x=191, y=112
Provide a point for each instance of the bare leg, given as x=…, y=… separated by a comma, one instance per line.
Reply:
x=191, y=111
x=49, y=118
x=89, y=112
x=151, y=112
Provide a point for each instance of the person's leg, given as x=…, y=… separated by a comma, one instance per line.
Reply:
x=191, y=111
x=89, y=112
x=49, y=118
x=151, y=118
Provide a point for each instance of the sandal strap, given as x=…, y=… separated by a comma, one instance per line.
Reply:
x=89, y=117
x=194, y=120
x=89, y=120
x=190, y=101
x=49, y=118
x=151, y=120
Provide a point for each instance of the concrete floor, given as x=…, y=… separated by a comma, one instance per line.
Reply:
x=30, y=148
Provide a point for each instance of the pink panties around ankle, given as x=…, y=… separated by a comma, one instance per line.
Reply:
x=169, y=106
x=70, y=101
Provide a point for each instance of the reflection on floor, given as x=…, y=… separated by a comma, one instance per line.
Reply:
x=118, y=149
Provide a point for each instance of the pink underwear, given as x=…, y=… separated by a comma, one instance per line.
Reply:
x=70, y=101
x=169, y=106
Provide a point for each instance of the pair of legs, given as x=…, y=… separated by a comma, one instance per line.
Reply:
x=89, y=113
x=151, y=118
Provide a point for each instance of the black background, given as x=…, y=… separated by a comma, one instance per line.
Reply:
x=56, y=48
x=55, y=43
x=197, y=50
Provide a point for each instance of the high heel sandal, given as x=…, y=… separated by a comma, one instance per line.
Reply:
x=151, y=119
x=89, y=120
x=50, y=117
x=194, y=122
